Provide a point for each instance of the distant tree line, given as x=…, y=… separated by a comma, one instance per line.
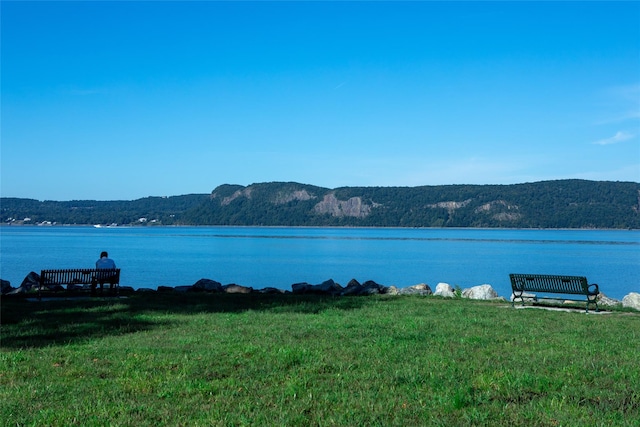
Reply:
x=148, y=210
x=547, y=204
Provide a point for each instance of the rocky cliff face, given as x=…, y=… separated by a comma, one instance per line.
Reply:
x=451, y=205
x=298, y=195
x=240, y=193
x=500, y=210
x=353, y=207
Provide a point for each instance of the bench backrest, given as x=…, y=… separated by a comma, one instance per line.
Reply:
x=79, y=276
x=549, y=283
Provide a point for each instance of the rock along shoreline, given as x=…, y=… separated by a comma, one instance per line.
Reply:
x=328, y=287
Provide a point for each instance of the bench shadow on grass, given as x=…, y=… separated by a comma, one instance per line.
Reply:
x=29, y=323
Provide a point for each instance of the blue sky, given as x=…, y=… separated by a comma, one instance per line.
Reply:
x=122, y=100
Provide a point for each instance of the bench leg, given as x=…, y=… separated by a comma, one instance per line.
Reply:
x=594, y=302
x=515, y=297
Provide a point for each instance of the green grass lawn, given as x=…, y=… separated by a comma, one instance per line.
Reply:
x=209, y=360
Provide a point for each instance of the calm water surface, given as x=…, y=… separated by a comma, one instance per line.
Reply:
x=278, y=257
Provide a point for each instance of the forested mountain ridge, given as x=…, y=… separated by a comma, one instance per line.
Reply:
x=546, y=204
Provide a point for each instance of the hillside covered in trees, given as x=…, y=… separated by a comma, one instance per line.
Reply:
x=547, y=204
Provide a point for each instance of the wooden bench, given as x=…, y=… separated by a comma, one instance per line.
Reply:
x=80, y=276
x=551, y=284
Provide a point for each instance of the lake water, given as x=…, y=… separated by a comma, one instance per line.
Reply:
x=279, y=257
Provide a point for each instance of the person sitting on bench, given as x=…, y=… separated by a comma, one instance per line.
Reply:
x=104, y=263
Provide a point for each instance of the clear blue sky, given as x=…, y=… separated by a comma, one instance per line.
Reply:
x=122, y=100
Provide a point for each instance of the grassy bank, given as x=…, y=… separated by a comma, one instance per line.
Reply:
x=198, y=359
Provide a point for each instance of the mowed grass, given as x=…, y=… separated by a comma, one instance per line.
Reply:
x=230, y=360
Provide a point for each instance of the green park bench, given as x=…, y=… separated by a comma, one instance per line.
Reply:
x=80, y=276
x=552, y=284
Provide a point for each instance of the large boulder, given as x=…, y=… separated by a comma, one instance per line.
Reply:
x=353, y=288
x=371, y=288
x=237, y=289
x=328, y=287
x=367, y=288
x=392, y=290
x=483, y=292
x=632, y=300
x=31, y=281
x=419, y=289
x=271, y=290
x=5, y=286
x=207, y=285
x=445, y=290
x=352, y=283
x=300, y=288
x=605, y=301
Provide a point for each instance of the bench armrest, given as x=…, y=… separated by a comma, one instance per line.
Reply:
x=596, y=289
